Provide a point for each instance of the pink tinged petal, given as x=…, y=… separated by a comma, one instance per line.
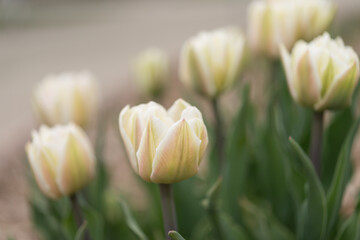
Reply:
x=177, y=108
x=75, y=168
x=147, y=149
x=286, y=61
x=307, y=81
x=125, y=126
x=201, y=132
x=43, y=170
x=200, y=68
x=80, y=111
x=195, y=120
x=191, y=112
x=177, y=155
x=340, y=92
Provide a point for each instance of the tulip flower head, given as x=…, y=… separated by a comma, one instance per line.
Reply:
x=164, y=146
x=61, y=159
x=151, y=70
x=67, y=97
x=274, y=22
x=321, y=74
x=211, y=62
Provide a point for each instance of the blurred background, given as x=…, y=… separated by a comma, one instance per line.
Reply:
x=40, y=37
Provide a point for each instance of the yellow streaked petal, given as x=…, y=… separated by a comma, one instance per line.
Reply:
x=177, y=155
x=43, y=170
x=340, y=92
x=177, y=108
x=75, y=169
x=147, y=149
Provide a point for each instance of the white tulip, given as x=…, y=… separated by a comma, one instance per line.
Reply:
x=321, y=74
x=271, y=23
x=67, y=97
x=211, y=62
x=164, y=146
x=151, y=70
x=61, y=159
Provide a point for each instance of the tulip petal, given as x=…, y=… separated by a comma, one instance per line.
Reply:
x=340, y=92
x=177, y=108
x=286, y=61
x=307, y=81
x=147, y=149
x=124, y=124
x=201, y=132
x=177, y=155
x=43, y=170
x=200, y=67
x=75, y=168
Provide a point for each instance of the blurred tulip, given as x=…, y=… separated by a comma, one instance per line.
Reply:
x=61, y=158
x=211, y=62
x=68, y=97
x=321, y=74
x=274, y=22
x=151, y=70
x=164, y=146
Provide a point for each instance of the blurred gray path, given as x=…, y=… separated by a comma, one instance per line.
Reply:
x=100, y=36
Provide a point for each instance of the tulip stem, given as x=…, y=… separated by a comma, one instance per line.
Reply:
x=219, y=133
x=316, y=140
x=78, y=215
x=168, y=209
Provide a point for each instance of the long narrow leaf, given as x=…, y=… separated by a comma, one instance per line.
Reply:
x=338, y=183
x=131, y=222
x=175, y=236
x=315, y=215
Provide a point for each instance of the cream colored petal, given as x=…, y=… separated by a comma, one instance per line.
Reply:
x=286, y=61
x=43, y=171
x=153, y=133
x=75, y=169
x=201, y=132
x=307, y=82
x=340, y=92
x=79, y=105
x=177, y=108
x=203, y=69
x=177, y=155
x=124, y=120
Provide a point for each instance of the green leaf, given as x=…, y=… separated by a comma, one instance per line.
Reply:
x=261, y=223
x=175, y=235
x=131, y=222
x=80, y=232
x=232, y=231
x=236, y=174
x=187, y=196
x=336, y=191
x=211, y=194
x=93, y=217
x=350, y=229
x=334, y=137
x=313, y=223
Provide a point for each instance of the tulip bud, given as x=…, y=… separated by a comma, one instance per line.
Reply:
x=321, y=74
x=61, y=159
x=212, y=61
x=151, y=70
x=68, y=97
x=164, y=146
x=271, y=23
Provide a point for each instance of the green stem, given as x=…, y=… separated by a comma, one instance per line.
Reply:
x=78, y=215
x=168, y=209
x=316, y=140
x=220, y=140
